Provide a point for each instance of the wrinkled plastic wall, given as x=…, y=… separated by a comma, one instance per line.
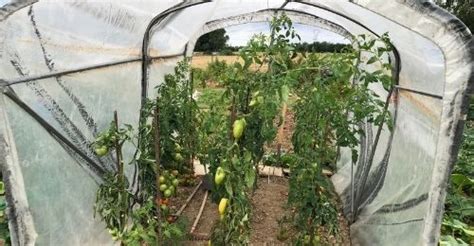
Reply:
x=94, y=51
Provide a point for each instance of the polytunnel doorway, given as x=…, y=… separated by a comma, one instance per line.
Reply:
x=412, y=197
x=270, y=217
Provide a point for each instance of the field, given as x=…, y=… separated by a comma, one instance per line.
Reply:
x=201, y=61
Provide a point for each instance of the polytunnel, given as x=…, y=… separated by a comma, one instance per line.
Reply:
x=65, y=65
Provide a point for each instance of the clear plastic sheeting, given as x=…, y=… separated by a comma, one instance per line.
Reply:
x=66, y=66
x=172, y=33
x=54, y=179
x=56, y=36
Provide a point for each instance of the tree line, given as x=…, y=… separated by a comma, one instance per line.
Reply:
x=216, y=41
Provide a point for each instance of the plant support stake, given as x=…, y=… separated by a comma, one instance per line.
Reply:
x=157, y=175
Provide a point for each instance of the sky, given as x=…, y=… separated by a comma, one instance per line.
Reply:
x=239, y=35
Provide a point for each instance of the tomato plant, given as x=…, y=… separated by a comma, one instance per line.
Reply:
x=137, y=213
x=255, y=91
x=334, y=99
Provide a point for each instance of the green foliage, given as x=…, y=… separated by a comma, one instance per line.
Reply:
x=234, y=227
x=463, y=9
x=283, y=160
x=328, y=95
x=211, y=97
x=227, y=51
x=137, y=218
x=178, y=120
x=458, y=221
x=470, y=114
x=321, y=47
x=255, y=96
x=113, y=204
x=4, y=232
x=214, y=73
x=212, y=41
x=312, y=200
x=333, y=100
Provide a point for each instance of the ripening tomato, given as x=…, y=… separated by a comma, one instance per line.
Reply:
x=164, y=201
x=174, y=173
x=223, y=205
x=220, y=176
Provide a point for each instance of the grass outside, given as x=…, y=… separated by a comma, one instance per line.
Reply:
x=208, y=96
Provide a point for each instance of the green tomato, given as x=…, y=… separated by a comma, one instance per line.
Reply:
x=316, y=240
x=101, y=151
x=256, y=101
x=172, y=189
x=178, y=157
x=253, y=102
x=162, y=179
x=306, y=239
x=175, y=182
x=178, y=147
x=220, y=176
x=163, y=187
x=238, y=130
x=168, y=193
x=174, y=173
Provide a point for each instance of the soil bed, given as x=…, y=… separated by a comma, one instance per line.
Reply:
x=268, y=204
x=268, y=207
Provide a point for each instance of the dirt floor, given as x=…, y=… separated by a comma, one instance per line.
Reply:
x=288, y=128
x=268, y=204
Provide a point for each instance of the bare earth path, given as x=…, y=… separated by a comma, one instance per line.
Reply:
x=268, y=202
